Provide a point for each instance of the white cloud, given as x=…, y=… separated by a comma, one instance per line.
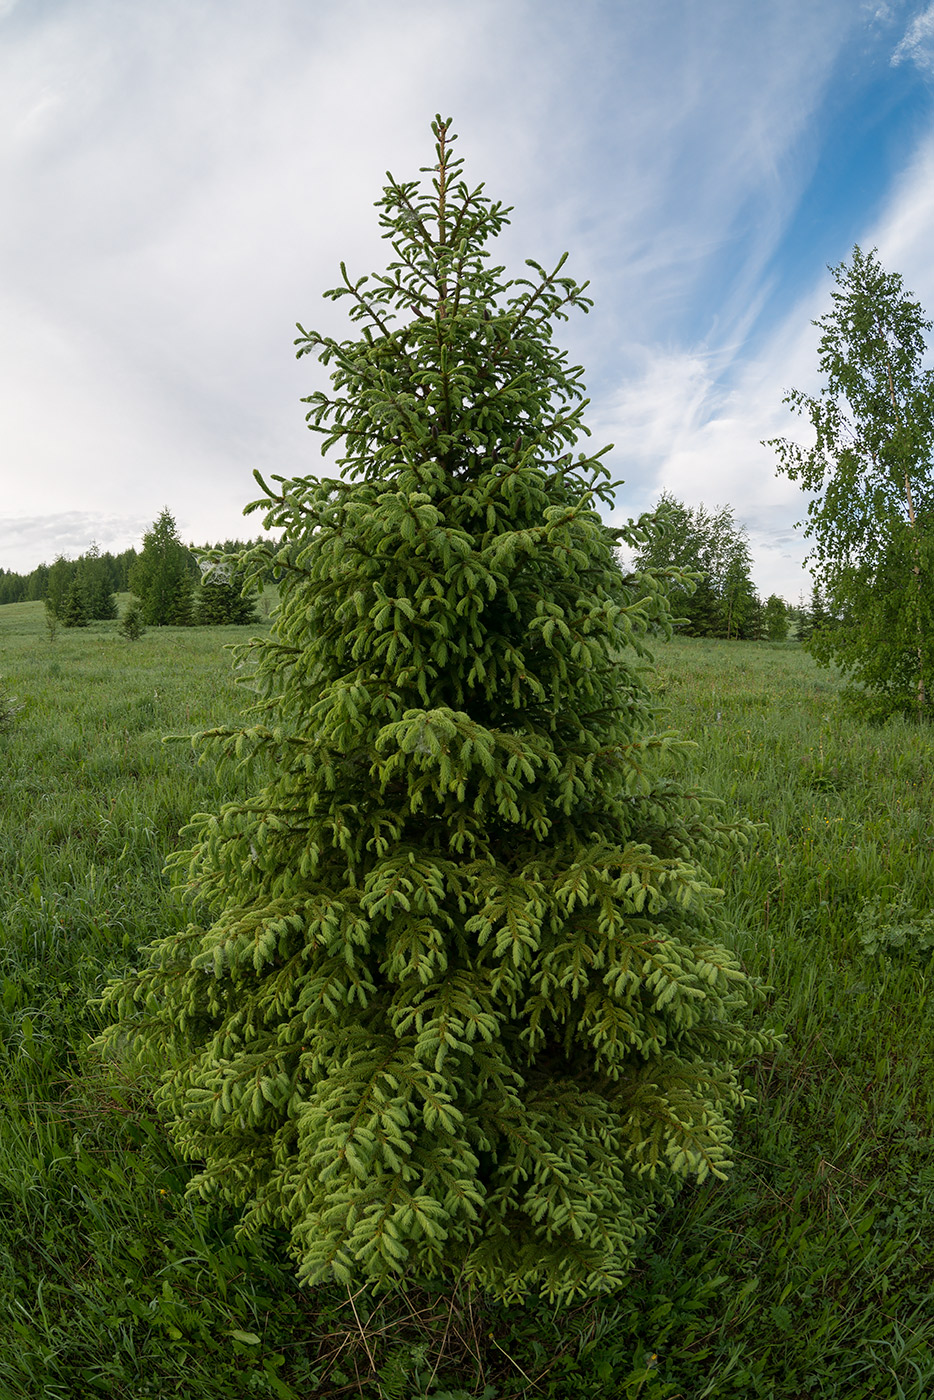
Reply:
x=182, y=181
x=658, y=406
x=917, y=43
x=44, y=537
x=677, y=429
x=905, y=232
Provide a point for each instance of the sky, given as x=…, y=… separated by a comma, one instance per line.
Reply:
x=181, y=180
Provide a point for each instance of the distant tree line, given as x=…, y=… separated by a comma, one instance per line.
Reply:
x=79, y=591
x=175, y=584
x=34, y=586
x=705, y=555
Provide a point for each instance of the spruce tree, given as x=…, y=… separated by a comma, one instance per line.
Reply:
x=162, y=575
x=95, y=570
x=132, y=625
x=58, y=584
x=75, y=610
x=12, y=587
x=818, y=617
x=456, y=1002
x=221, y=599
x=37, y=583
x=705, y=556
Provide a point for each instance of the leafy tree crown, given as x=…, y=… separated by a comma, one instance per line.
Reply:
x=870, y=472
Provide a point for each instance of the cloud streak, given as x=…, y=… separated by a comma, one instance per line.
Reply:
x=917, y=44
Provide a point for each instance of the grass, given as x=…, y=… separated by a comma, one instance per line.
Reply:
x=806, y=1275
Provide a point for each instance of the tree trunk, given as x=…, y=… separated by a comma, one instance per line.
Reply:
x=922, y=693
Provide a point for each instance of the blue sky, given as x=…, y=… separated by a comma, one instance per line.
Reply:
x=182, y=178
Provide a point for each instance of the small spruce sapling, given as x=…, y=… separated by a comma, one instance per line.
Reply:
x=132, y=626
x=458, y=1004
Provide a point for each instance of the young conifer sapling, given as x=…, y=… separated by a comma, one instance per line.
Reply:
x=457, y=1004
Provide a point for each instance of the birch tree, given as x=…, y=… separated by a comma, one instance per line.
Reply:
x=869, y=472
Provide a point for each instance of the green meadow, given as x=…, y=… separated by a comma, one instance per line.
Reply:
x=808, y=1274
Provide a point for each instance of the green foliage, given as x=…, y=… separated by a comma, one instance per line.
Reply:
x=813, y=617
x=775, y=618
x=162, y=577
x=51, y=621
x=457, y=1005
x=76, y=607
x=94, y=571
x=105, y=574
x=132, y=626
x=10, y=706
x=12, y=587
x=704, y=557
x=224, y=598
x=870, y=475
x=892, y=926
x=809, y=1268
x=739, y=612
x=58, y=585
x=80, y=591
x=882, y=635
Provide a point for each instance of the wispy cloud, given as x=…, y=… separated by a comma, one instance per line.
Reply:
x=683, y=425
x=917, y=43
x=905, y=231
x=182, y=181
x=679, y=430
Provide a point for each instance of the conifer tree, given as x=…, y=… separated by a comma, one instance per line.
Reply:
x=12, y=587
x=221, y=599
x=818, y=616
x=37, y=583
x=132, y=625
x=752, y=626
x=94, y=569
x=75, y=610
x=740, y=612
x=705, y=555
x=162, y=577
x=457, y=1002
x=58, y=584
x=801, y=617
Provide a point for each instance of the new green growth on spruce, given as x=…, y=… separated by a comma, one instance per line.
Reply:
x=457, y=1005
